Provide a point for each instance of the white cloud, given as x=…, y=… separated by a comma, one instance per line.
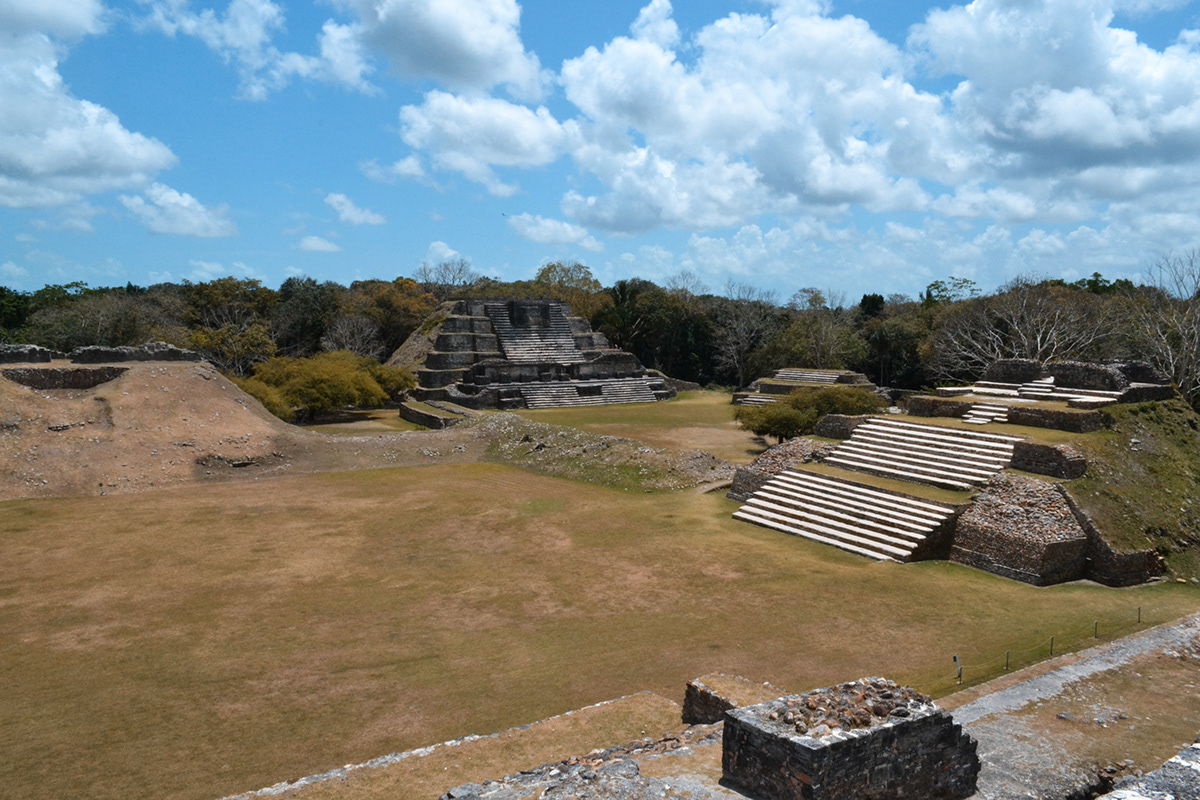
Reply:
x=408, y=167
x=471, y=135
x=66, y=18
x=440, y=251
x=654, y=24
x=164, y=210
x=348, y=212
x=54, y=147
x=242, y=36
x=10, y=270
x=211, y=270
x=315, y=244
x=553, y=231
x=467, y=45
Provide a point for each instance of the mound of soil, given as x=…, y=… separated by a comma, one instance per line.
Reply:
x=165, y=424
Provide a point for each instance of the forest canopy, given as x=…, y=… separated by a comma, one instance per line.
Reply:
x=949, y=333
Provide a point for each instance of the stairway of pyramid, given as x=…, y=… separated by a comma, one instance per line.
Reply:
x=857, y=516
x=510, y=354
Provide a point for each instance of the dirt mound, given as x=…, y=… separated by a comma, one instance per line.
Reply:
x=164, y=424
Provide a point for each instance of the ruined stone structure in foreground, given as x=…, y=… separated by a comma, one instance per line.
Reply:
x=868, y=740
x=522, y=354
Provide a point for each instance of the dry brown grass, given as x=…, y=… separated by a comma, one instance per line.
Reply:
x=196, y=642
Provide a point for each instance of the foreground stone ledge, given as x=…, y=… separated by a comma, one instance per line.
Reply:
x=916, y=751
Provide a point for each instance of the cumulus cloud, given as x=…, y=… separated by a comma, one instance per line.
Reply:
x=165, y=210
x=56, y=148
x=471, y=135
x=349, y=212
x=315, y=244
x=10, y=270
x=211, y=270
x=439, y=251
x=553, y=231
x=65, y=18
x=409, y=167
x=242, y=36
x=466, y=45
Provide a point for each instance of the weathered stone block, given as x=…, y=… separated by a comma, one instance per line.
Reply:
x=889, y=742
x=24, y=354
x=838, y=426
x=1058, y=461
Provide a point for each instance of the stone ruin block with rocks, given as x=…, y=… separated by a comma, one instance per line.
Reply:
x=24, y=354
x=1022, y=528
x=867, y=740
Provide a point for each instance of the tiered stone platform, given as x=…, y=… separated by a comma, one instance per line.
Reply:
x=767, y=390
x=525, y=354
x=1078, y=385
x=949, y=458
x=851, y=516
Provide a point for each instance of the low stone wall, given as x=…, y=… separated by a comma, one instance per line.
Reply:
x=1148, y=392
x=1022, y=528
x=1059, y=419
x=1012, y=370
x=1055, y=460
x=1082, y=375
x=926, y=405
x=675, y=383
x=707, y=698
x=24, y=354
x=838, y=426
x=747, y=481
x=428, y=419
x=1106, y=565
x=913, y=750
x=151, y=351
x=62, y=377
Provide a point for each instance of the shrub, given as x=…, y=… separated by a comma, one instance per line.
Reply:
x=303, y=387
x=798, y=413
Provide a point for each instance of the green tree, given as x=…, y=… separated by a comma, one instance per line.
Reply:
x=305, y=309
x=306, y=387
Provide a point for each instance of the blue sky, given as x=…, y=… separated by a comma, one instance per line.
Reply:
x=851, y=145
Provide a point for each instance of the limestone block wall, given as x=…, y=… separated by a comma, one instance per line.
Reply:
x=24, y=354
x=1081, y=421
x=1055, y=460
x=152, y=351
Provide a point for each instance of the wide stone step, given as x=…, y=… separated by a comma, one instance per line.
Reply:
x=947, y=455
x=885, y=511
x=942, y=430
x=960, y=448
x=804, y=506
x=913, y=466
x=861, y=535
x=941, y=481
x=783, y=524
x=871, y=494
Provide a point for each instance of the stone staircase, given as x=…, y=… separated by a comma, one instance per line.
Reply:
x=534, y=345
x=808, y=375
x=949, y=458
x=589, y=393
x=860, y=519
x=755, y=400
x=983, y=413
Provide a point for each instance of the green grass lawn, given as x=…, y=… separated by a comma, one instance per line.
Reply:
x=205, y=641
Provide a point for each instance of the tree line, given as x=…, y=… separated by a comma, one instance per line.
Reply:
x=950, y=332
